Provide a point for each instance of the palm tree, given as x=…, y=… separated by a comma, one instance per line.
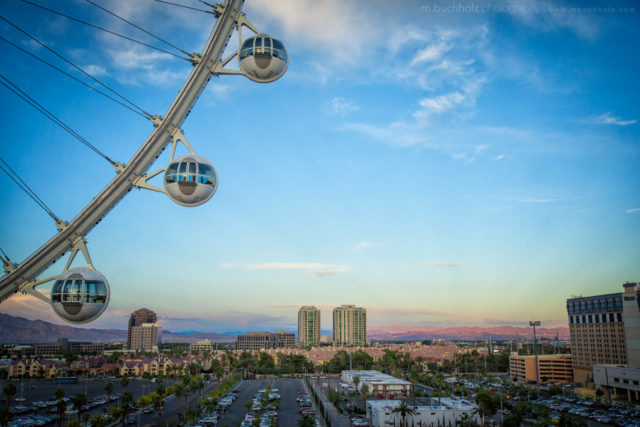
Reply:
x=414, y=377
x=404, y=410
x=199, y=385
x=61, y=405
x=178, y=391
x=108, y=388
x=188, y=388
x=79, y=400
x=158, y=400
x=125, y=407
x=356, y=381
x=9, y=391
x=466, y=420
x=364, y=390
x=124, y=382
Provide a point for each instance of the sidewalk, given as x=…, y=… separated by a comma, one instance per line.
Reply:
x=336, y=419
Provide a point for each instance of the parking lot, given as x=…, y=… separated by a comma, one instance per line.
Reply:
x=288, y=389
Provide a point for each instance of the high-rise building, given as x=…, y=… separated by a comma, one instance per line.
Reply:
x=624, y=381
x=308, y=326
x=143, y=330
x=349, y=326
x=605, y=329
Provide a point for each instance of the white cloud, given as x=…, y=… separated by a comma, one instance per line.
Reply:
x=219, y=90
x=499, y=157
x=95, y=70
x=553, y=16
x=430, y=53
x=609, y=119
x=338, y=29
x=366, y=245
x=342, y=107
x=439, y=264
x=634, y=210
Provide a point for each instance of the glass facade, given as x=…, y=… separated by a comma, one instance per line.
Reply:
x=261, y=44
x=190, y=172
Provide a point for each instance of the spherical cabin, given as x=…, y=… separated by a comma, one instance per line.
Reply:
x=80, y=295
x=263, y=59
x=190, y=180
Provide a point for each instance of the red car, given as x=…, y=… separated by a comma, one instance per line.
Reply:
x=235, y=391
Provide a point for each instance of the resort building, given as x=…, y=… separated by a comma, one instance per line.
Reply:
x=349, y=326
x=308, y=326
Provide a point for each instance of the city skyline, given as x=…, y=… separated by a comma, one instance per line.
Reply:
x=436, y=168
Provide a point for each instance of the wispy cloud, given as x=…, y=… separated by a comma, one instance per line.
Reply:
x=609, y=119
x=317, y=269
x=439, y=264
x=342, y=107
x=634, y=210
x=366, y=245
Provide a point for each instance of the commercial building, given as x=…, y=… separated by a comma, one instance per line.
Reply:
x=597, y=334
x=553, y=368
x=377, y=382
x=264, y=340
x=63, y=345
x=146, y=334
x=349, y=326
x=200, y=346
x=448, y=412
x=308, y=326
x=620, y=381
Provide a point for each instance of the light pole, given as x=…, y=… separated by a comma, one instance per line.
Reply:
x=535, y=323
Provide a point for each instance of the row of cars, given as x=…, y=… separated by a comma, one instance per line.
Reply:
x=305, y=406
x=48, y=407
x=608, y=414
x=264, y=408
x=212, y=418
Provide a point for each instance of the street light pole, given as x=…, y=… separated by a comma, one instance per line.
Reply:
x=535, y=323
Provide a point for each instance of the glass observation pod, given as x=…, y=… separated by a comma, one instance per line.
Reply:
x=263, y=59
x=190, y=180
x=80, y=295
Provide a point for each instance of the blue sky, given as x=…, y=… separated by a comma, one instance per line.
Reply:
x=436, y=166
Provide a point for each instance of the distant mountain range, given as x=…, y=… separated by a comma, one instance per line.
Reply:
x=20, y=330
x=406, y=333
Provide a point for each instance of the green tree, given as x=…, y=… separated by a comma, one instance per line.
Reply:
x=364, y=390
x=108, y=389
x=466, y=420
x=404, y=410
x=126, y=406
x=178, y=391
x=61, y=405
x=356, y=382
x=78, y=401
x=306, y=421
x=124, y=382
x=5, y=416
x=414, y=377
x=488, y=403
x=157, y=399
x=98, y=420
x=9, y=391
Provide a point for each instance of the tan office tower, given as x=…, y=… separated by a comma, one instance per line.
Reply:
x=597, y=333
x=143, y=330
x=349, y=326
x=308, y=326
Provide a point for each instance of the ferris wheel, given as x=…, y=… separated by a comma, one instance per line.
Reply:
x=81, y=294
